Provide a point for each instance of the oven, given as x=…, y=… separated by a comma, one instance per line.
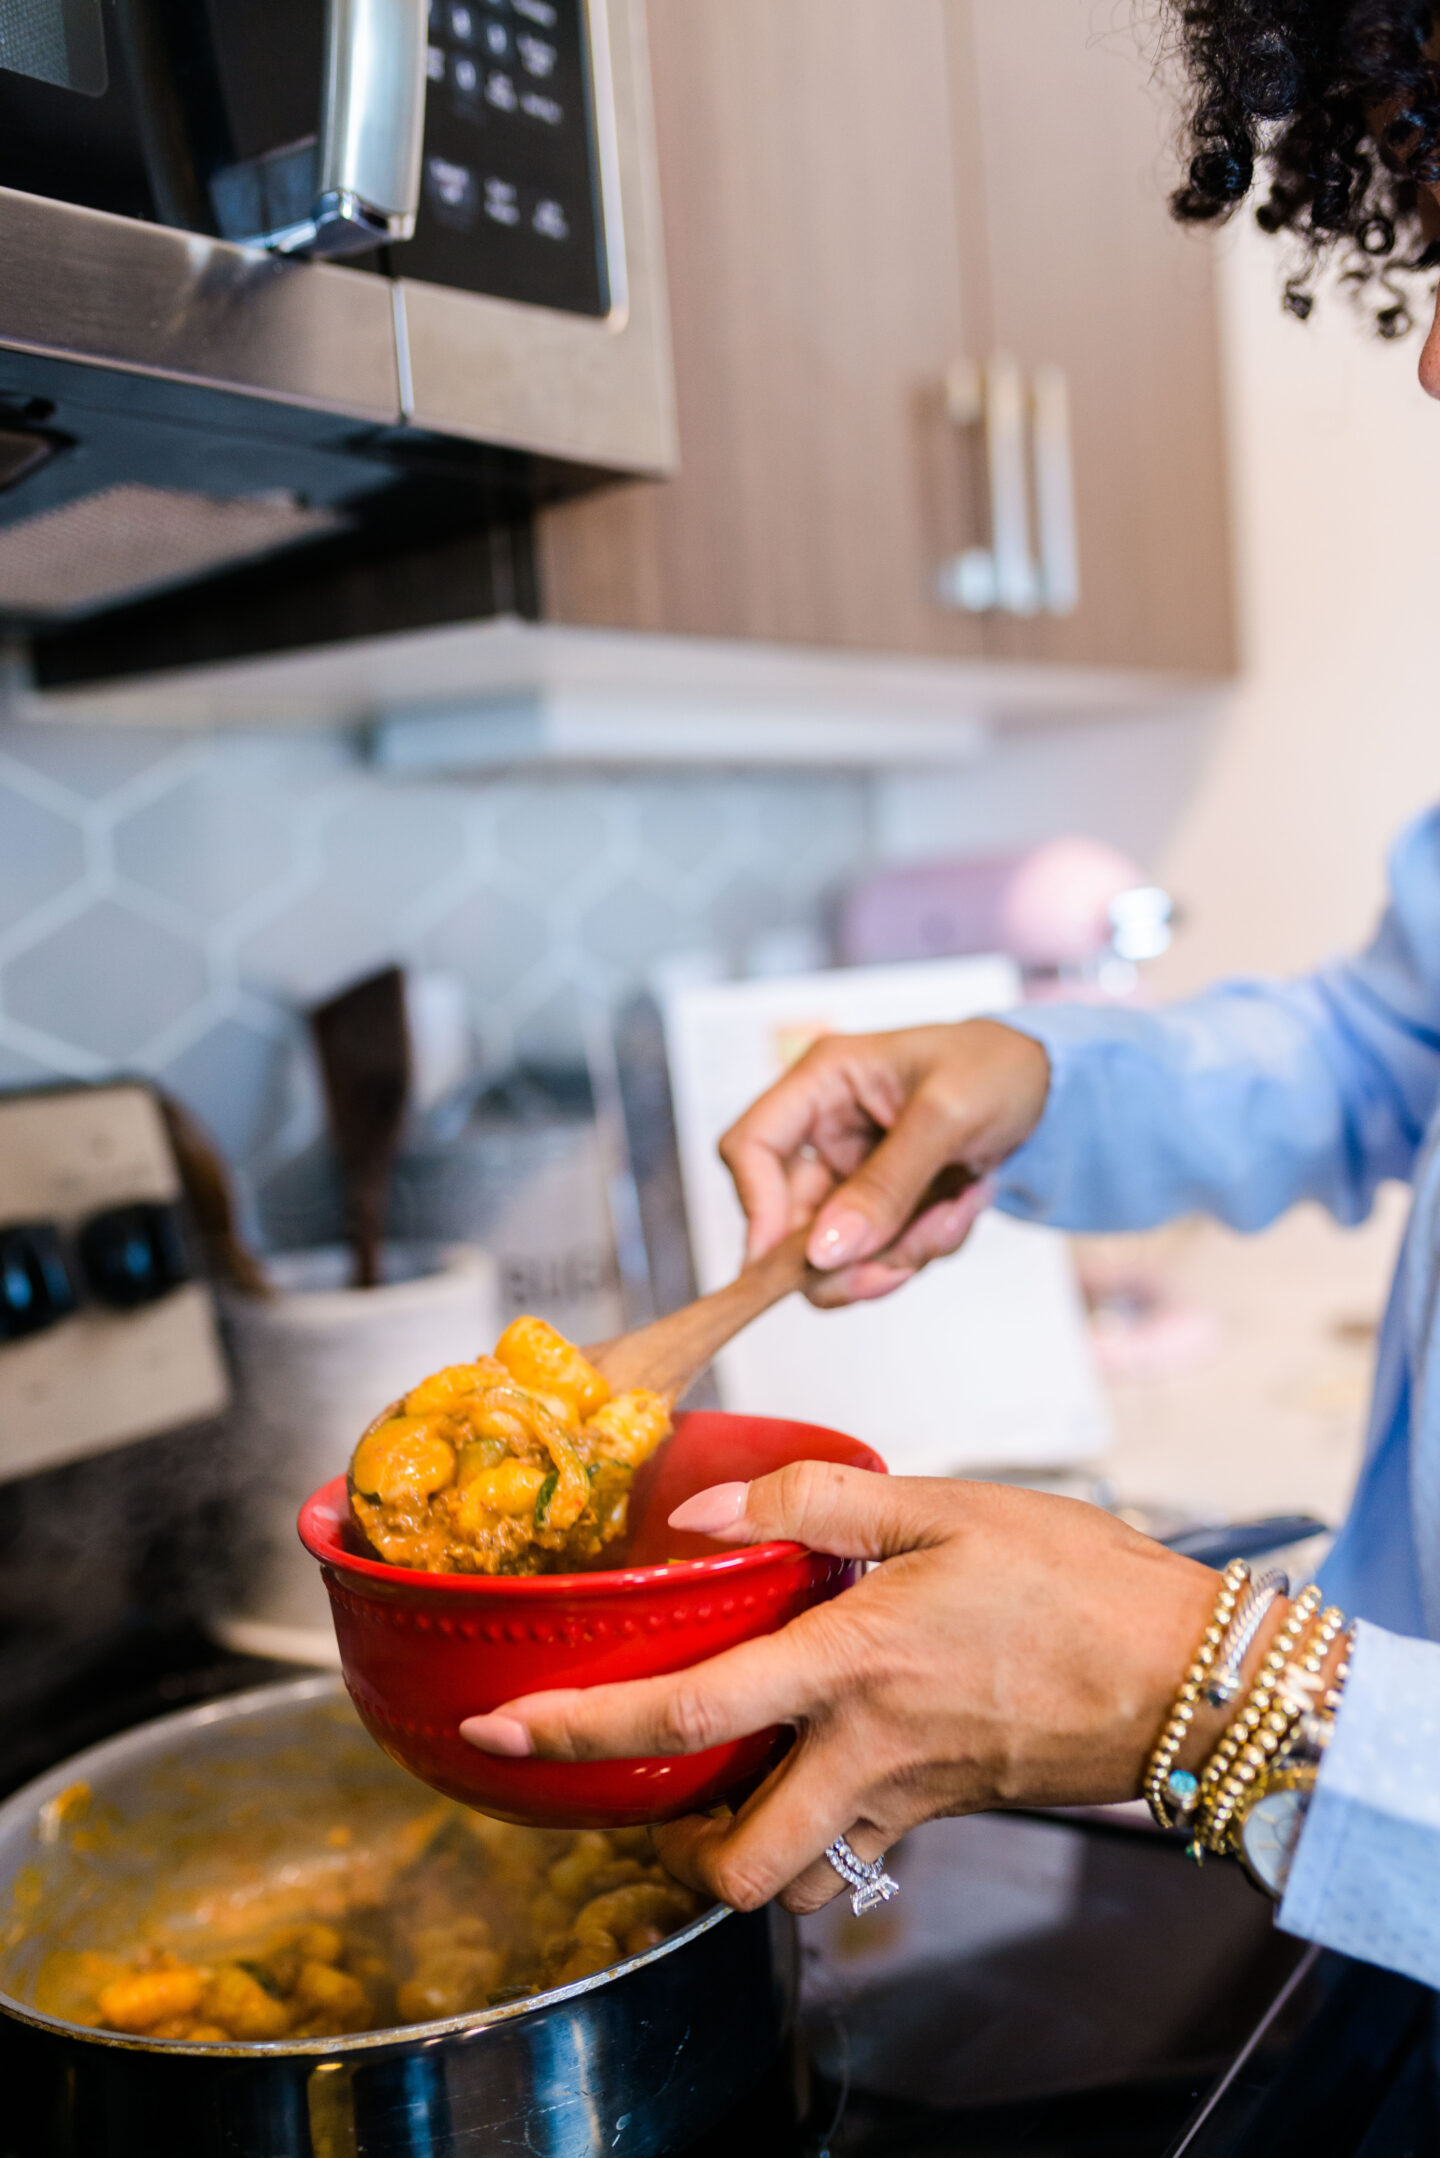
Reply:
x=365, y=279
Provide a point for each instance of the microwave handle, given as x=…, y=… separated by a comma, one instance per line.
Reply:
x=372, y=127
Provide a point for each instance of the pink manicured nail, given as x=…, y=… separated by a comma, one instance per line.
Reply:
x=497, y=1734
x=840, y=1240
x=712, y=1512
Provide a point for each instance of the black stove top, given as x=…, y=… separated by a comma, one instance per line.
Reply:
x=1042, y=1988
x=136, y=1673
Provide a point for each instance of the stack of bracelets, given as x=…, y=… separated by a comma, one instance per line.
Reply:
x=1248, y=1800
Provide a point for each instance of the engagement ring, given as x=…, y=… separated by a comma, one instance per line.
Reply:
x=866, y=1878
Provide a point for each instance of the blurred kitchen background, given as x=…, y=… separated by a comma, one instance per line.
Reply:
x=735, y=710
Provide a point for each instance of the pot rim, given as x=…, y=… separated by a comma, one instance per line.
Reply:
x=26, y=1804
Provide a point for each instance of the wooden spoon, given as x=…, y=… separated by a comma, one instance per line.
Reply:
x=669, y=1354
x=206, y=1180
x=364, y=1050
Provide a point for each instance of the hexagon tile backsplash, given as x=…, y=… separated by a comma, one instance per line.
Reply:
x=169, y=903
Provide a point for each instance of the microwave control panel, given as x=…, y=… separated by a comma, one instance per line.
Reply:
x=510, y=200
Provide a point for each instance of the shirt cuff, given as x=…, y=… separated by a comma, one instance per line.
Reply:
x=1028, y=1182
x=1365, y=1878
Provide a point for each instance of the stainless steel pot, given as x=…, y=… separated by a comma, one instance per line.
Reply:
x=636, y=2061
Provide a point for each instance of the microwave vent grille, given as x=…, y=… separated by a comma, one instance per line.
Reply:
x=127, y=540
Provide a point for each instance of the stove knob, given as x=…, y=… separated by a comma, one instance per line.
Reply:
x=134, y=1255
x=36, y=1289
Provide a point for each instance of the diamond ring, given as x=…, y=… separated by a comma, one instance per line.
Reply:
x=868, y=1882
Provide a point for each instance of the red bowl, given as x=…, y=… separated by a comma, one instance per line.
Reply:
x=421, y=1651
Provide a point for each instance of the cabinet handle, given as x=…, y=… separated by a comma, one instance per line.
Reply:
x=1001, y=577
x=372, y=126
x=1055, y=492
x=1004, y=577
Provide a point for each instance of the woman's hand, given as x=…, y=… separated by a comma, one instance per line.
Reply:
x=1009, y=1649
x=858, y=1132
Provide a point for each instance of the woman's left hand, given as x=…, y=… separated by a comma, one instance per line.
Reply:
x=1009, y=1648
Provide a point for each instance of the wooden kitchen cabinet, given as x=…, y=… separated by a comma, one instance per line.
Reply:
x=858, y=194
x=1078, y=263
x=813, y=257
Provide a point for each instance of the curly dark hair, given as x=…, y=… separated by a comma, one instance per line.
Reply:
x=1339, y=102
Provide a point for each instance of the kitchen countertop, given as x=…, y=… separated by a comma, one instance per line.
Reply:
x=1269, y=1417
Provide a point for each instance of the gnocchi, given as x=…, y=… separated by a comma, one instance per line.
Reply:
x=485, y=1913
x=521, y=1462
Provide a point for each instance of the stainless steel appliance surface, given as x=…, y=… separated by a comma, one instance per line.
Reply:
x=639, y=2060
x=187, y=391
x=526, y=1175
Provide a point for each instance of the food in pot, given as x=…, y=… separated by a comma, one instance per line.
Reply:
x=520, y=1463
x=487, y=1913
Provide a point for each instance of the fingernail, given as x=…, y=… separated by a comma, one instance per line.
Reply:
x=498, y=1734
x=711, y=1512
x=839, y=1241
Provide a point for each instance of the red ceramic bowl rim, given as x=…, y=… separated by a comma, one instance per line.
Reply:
x=324, y=1544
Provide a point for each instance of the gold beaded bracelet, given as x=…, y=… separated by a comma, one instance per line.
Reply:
x=1294, y=1699
x=1272, y=1664
x=1336, y=1690
x=1269, y=1816
x=1158, y=1769
x=1219, y=1789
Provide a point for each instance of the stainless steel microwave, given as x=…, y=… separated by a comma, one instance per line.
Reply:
x=305, y=304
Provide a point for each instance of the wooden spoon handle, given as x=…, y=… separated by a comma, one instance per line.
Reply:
x=205, y=1176
x=671, y=1352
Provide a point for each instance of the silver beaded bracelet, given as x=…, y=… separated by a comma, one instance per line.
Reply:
x=1224, y=1681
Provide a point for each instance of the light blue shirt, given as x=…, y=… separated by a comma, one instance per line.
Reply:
x=1238, y=1103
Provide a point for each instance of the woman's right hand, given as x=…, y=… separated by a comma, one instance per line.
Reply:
x=859, y=1130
